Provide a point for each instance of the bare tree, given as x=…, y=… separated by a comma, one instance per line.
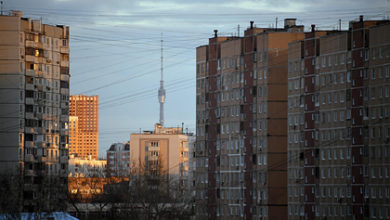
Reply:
x=10, y=195
x=38, y=195
x=147, y=193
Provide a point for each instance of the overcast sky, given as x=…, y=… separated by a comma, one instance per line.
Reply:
x=115, y=48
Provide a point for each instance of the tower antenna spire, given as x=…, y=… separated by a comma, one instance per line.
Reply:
x=161, y=91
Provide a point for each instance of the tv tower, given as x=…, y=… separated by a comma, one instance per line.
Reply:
x=161, y=91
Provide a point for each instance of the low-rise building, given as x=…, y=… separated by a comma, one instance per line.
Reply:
x=165, y=149
x=86, y=167
x=118, y=159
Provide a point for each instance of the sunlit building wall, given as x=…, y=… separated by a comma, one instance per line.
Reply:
x=84, y=135
x=165, y=150
x=34, y=110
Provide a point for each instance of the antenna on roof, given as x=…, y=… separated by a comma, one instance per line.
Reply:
x=276, y=23
x=339, y=24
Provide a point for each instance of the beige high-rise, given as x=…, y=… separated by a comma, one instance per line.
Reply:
x=34, y=89
x=84, y=130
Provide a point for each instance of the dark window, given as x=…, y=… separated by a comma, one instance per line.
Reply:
x=64, y=84
x=29, y=94
x=28, y=137
x=29, y=108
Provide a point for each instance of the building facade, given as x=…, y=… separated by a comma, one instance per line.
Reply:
x=241, y=144
x=165, y=149
x=34, y=109
x=338, y=123
x=84, y=130
x=118, y=160
x=86, y=167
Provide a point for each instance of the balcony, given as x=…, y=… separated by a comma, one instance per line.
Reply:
x=63, y=159
x=42, y=159
x=35, y=59
x=29, y=186
x=30, y=115
x=29, y=144
x=30, y=72
x=29, y=130
x=29, y=172
x=64, y=63
x=29, y=158
x=29, y=101
x=64, y=91
x=64, y=50
x=30, y=58
x=30, y=43
x=65, y=77
x=30, y=86
x=33, y=44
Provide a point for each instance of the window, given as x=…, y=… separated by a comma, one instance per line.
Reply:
x=341, y=115
x=373, y=192
x=348, y=77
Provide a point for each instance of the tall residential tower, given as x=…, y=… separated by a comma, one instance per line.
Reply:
x=84, y=126
x=241, y=143
x=338, y=123
x=34, y=110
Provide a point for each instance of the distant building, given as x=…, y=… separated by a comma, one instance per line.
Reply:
x=34, y=112
x=165, y=149
x=339, y=123
x=84, y=126
x=82, y=189
x=118, y=160
x=86, y=167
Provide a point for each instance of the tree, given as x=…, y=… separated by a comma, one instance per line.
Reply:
x=149, y=192
x=10, y=195
x=34, y=194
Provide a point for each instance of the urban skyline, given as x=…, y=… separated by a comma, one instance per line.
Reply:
x=291, y=119
x=134, y=59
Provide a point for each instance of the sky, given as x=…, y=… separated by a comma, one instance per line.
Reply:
x=115, y=48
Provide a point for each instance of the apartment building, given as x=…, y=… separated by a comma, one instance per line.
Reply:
x=34, y=110
x=118, y=160
x=295, y=128
x=84, y=130
x=165, y=149
x=241, y=145
x=338, y=123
